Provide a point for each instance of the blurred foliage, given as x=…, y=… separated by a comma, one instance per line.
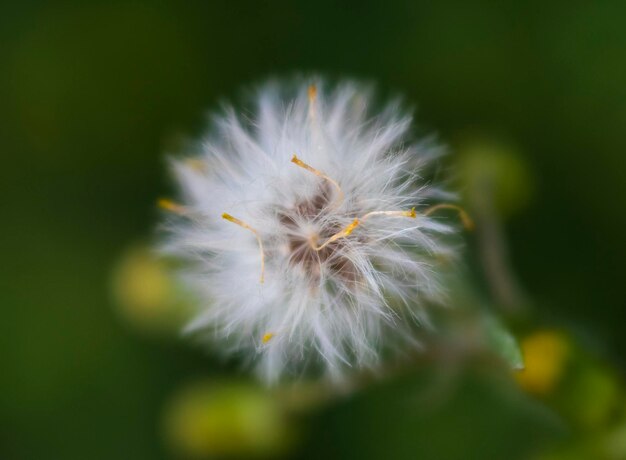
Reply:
x=92, y=94
x=583, y=389
x=424, y=415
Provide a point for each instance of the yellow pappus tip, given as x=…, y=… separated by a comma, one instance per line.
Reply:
x=468, y=223
x=242, y=224
x=239, y=222
x=318, y=173
x=350, y=228
x=295, y=159
x=196, y=164
x=267, y=337
x=412, y=214
x=342, y=234
x=466, y=220
x=171, y=206
x=312, y=92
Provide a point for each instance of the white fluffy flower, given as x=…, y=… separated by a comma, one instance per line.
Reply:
x=305, y=232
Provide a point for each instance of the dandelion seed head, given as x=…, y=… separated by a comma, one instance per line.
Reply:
x=301, y=231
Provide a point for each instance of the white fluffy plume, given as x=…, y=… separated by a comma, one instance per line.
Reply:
x=306, y=233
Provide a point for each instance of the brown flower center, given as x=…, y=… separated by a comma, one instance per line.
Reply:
x=304, y=251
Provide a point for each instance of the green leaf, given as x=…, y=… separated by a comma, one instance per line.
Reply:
x=503, y=343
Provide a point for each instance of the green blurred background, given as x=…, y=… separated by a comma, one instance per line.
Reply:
x=93, y=94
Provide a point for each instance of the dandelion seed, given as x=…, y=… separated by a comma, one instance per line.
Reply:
x=340, y=256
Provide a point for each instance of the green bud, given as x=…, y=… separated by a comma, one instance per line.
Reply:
x=145, y=294
x=496, y=173
x=217, y=419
